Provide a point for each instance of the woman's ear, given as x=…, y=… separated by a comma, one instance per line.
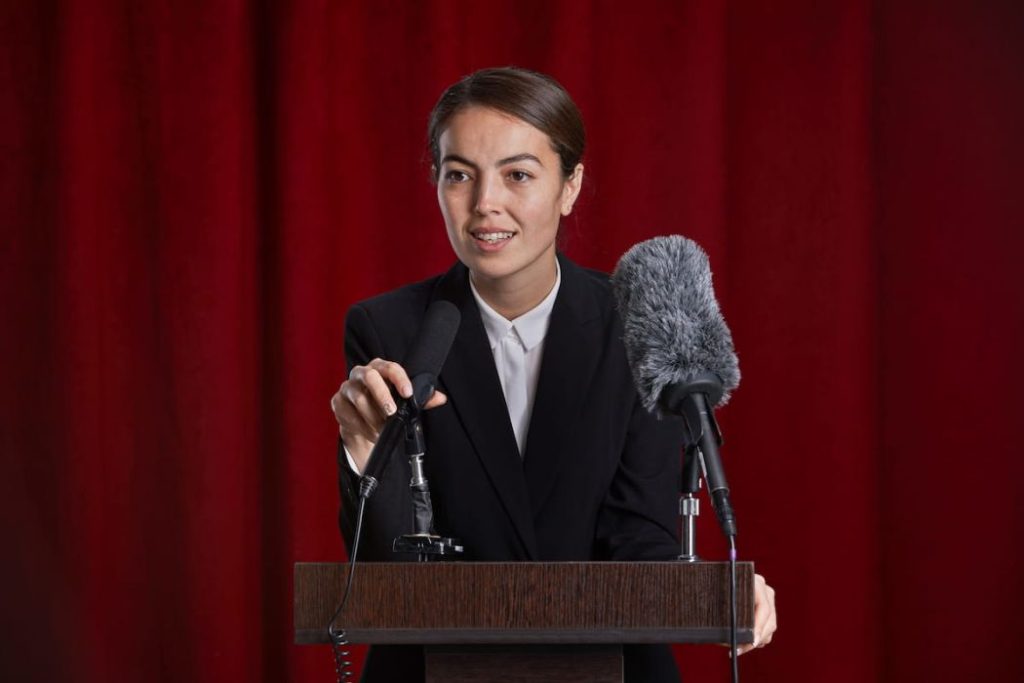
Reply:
x=571, y=189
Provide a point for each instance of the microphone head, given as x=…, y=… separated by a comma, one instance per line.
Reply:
x=434, y=339
x=673, y=329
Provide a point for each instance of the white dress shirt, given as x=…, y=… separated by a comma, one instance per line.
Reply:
x=517, y=346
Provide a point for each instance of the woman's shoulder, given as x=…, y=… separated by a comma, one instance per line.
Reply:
x=597, y=279
x=407, y=297
x=403, y=308
x=591, y=288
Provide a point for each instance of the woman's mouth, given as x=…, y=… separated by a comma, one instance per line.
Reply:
x=492, y=237
x=491, y=241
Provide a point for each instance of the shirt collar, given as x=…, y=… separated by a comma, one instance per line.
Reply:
x=530, y=326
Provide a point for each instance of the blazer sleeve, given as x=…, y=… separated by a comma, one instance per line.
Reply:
x=639, y=517
x=388, y=512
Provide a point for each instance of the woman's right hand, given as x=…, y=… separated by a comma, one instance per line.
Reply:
x=364, y=401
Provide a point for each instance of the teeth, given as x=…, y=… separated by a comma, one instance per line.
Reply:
x=492, y=237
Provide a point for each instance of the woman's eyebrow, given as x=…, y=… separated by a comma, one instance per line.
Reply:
x=525, y=156
x=457, y=159
x=519, y=157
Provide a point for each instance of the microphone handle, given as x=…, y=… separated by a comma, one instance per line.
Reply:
x=389, y=438
x=700, y=420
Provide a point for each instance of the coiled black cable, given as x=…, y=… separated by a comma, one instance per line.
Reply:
x=337, y=636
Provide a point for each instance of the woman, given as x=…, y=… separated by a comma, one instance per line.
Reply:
x=537, y=446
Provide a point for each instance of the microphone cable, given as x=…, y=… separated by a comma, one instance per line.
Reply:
x=337, y=636
x=733, y=651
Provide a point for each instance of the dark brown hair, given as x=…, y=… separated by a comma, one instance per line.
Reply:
x=533, y=97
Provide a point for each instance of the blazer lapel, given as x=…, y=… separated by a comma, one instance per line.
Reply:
x=571, y=351
x=471, y=381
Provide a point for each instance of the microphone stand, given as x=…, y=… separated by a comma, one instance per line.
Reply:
x=423, y=541
x=689, y=504
x=694, y=401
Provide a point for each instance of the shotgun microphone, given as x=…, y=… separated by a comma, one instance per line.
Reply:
x=679, y=348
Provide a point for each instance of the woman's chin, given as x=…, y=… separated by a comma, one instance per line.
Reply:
x=508, y=263
x=488, y=270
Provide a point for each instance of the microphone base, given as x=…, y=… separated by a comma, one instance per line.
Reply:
x=427, y=546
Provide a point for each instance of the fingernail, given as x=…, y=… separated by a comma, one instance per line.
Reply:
x=407, y=390
x=389, y=408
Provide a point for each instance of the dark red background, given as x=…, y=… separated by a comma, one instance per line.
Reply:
x=192, y=193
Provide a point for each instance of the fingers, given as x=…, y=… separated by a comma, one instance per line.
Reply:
x=765, y=620
x=350, y=412
x=365, y=400
x=378, y=376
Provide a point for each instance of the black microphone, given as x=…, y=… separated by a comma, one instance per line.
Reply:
x=422, y=363
x=679, y=348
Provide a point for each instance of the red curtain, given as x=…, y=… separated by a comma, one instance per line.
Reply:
x=192, y=193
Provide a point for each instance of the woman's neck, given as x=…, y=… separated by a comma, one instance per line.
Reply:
x=517, y=294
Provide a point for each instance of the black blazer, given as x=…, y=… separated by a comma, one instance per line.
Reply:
x=599, y=479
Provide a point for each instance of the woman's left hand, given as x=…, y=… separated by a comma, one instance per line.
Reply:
x=764, y=615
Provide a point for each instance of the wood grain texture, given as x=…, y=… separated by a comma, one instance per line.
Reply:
x=571, y=602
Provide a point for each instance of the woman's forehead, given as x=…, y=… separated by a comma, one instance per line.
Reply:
x=481, y=134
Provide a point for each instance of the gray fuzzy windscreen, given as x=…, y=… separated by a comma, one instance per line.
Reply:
x=673, y=328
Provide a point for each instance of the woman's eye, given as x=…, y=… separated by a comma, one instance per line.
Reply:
x=455, y=177
x=519, y=176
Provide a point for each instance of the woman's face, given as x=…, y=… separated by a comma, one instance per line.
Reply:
x=502, y=193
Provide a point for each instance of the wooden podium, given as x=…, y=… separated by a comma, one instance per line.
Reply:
x=524, y=621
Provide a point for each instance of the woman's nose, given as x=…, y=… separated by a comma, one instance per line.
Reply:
x=488, y=194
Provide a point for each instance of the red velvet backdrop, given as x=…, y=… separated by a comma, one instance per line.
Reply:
x=192, y=193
